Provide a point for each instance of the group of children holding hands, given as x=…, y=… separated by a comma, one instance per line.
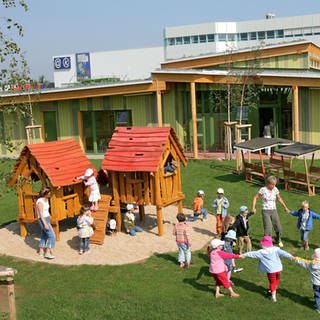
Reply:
x=230, y=229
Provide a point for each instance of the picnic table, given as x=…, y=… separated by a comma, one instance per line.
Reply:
x=310, y=177
x=263, y=168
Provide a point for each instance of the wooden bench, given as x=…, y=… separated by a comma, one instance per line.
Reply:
x=275, y=166
x=297, y=178
x=315, y=175
x=253, y=169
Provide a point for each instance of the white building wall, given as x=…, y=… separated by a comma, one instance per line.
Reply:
x=290, y=25
x=132, y=64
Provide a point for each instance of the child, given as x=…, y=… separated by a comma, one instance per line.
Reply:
x=129, y=221
x=85, y=228
x=183, y=239
x=91, y=182
x=220, y=205
x=230, y=237
x=218, y=269
x=305, y=222
x=112, y=225
x=270, y=263
x=198, y=209
x=171, y=167
x=227, y=225
x=314, y=268
x=241, y=226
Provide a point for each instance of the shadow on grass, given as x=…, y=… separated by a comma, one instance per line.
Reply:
x=74, y=243
x=294, y=243
x=251, y=286
x=167, y=257
x=230, y=178
x=302, y=300
x=203, y=272
x=203, y=231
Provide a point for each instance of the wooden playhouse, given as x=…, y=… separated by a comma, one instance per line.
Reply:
x=135, y=162
x=55, y=164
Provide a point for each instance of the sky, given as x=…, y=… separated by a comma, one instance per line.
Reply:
x=59, y=27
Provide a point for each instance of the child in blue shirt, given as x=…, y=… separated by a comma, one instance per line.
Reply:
x=270, y=263
x=305, y=222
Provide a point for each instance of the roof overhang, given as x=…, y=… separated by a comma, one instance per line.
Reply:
x=298, y=149
x=45, y=95
x=234, y=76
x=257, y=144
x=242, y=55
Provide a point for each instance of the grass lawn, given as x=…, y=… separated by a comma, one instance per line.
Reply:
x=157, y=288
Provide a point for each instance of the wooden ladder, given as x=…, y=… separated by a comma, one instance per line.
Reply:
x=100, y=219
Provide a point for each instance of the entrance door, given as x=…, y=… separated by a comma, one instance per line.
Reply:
x=50, y=125
x=265, y=116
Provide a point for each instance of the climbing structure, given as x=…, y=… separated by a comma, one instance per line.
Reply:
x=55, y=164
x=136, y=159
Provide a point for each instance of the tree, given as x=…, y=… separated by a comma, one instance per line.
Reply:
x=14, y=71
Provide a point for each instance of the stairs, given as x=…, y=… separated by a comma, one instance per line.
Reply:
x=100, y=219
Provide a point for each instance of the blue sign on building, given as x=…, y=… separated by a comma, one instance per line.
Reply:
x=62, y=63
x=83, y=66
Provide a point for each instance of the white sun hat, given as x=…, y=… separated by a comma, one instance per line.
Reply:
x=88, y=173
x=220, y=190
x=130, y=206
x=215, y=243
x=201, y=192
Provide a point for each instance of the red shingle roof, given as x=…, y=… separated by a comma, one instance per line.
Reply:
x=138, y=148
x=61, y=160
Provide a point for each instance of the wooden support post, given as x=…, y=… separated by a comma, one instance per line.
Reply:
x=159, y=106
x=23, y=229
x=116, y=198
x=158, y=204
x=8, y=274
x=296, y=113
x=310, y=191
x=141, y=213
x=180, y=206
x=82, y=140
x=194, y=119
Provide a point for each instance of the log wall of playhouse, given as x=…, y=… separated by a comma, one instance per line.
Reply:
x=135, y=161
x=55, y=164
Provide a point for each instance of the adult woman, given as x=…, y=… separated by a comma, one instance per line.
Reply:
x=48, y=237
x=269, y=194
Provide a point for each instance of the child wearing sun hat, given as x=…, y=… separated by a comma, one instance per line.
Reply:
x=314, y=268
x=270, y=263
x=220, y=205
x=218, y=268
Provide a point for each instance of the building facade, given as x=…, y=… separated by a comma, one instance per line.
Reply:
x=117, y=65
x=188, y=95
x=207, y=38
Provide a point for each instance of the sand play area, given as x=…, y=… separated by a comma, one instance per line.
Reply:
x=116, y=250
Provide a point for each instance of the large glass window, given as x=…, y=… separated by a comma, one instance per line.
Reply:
x=270, y=34
x=210, y=37
x=171, y=41
x=244, y=36
x=261, y=35
x=252, y=35
x=194, y=39
x=179, y=40
x=98, y=127
x=203, y=38
x=222, y=37
x=279, y=34
x=231, y=37
x=186, y=40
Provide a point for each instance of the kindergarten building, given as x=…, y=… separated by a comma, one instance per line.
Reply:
x=183, y=94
